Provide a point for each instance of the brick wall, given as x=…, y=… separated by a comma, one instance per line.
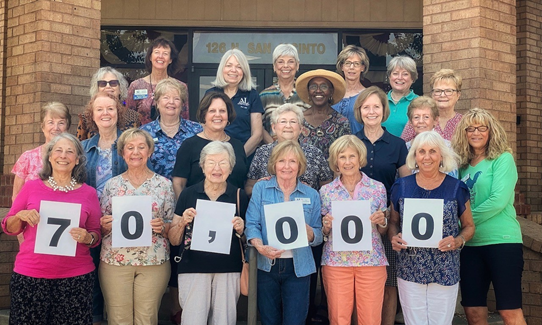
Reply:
x=529, y=96
x=531, y=283
x=478, y=40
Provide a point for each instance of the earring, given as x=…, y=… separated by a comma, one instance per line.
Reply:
x=441, y=164
x=416, y=165
x=330, y=100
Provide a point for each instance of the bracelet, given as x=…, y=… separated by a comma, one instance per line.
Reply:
x=92, y=239
x=464, y=241
x=385, y=224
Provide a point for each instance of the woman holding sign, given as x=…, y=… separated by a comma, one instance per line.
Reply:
x=284, y=275
x=54, y=286
x=134, y=279
x=428, y=262
x=208, y=280
x=355, y=275
x=495, y=253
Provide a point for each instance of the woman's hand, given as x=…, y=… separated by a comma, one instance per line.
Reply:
x=310, y=233
x=238, y=225
x=270, y=252
x=106, y=222
x=188, y=216
x=158, y=226
x=31, y=217
x=326, y=224
x=449, y=244
x=80, y=235
x=379, y=218
x=397, y=242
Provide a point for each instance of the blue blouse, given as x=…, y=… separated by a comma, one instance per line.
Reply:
x=430, y=265
x=165, y=148
x=346, y=108
x=268, y=192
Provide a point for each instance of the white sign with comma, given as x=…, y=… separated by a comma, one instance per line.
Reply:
x=422, y=222
x=351, y=227
x=212, y=227
x=132, y=217
x=53, y=234
x=285, y=224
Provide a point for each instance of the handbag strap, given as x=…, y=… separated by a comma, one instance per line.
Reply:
x=239, y=214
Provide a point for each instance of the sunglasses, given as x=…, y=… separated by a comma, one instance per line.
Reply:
x=104, y=83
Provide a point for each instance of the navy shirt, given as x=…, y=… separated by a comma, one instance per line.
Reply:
x=244, y=103
x=384, y=157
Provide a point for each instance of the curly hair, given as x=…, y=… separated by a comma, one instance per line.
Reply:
x=497, y=143
x=89, y=110
x=79, y=172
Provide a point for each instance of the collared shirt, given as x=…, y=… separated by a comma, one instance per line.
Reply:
x=384, y=157
x=268, y=192
x=317, y=167
x=448, y=132
x=244, y=103
x=367, y=190
x=322, y=136
x=346, y=108
x=165, y=148
x=398, y=113
x=272, y=97
x=29, y=164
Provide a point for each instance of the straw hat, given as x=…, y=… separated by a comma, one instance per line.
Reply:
x=339, y=86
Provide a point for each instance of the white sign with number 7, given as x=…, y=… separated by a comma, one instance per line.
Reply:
x=53, y=233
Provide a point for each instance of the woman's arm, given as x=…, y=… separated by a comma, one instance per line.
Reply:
x=467, y=224
x=18, y=183
x=404, y=171
x=267, y=138
x=179, y=183
x=249, y=185
x=178, y=225
x=256, y=133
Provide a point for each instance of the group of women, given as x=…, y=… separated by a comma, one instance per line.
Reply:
x=319, y=138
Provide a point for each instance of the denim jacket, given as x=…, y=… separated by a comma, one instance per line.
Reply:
x=91, y=152
x=268, y=192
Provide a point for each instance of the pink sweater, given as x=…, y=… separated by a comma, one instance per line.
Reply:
x=53, y=266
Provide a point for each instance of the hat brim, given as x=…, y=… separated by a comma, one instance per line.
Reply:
x=302, y=83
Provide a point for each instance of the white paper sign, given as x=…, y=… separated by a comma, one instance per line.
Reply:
x=422, y=222
x=212, y=227
x=132, y=217
x=351, y=227
x=285, y=224
x=53, y=233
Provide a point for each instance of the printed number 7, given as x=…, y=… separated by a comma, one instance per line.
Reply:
x=63, y=224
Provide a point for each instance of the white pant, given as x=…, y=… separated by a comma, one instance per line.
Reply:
x=427, y=304
x=209, y=298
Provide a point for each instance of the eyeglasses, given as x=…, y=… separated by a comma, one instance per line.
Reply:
x=222, y=164
x=356, y=64
x=482, y=128
x=285, y=122
x=104, y=83
x=447, y=92
x=322, y=87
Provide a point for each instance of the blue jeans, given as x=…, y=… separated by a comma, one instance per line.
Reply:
x=283, y=298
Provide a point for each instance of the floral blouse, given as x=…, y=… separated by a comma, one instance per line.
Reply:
x=323, y=136
x=163, y=206
x=367, y=189
x=28, y=165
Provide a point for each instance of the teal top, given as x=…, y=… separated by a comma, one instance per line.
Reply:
x=398, y=114
x=491, y=184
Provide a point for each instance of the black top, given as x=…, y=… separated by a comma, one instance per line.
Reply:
x=187, y=162
x=205, y=262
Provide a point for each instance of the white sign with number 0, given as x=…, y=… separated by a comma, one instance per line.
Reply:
x=422, y=222
x=132, y=217
x=352, y=229
x=53, y=233
x=285, y=224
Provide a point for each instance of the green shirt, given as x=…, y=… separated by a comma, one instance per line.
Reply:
x=491, y=184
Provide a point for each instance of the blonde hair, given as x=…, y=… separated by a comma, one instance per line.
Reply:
x=168, y=84
x=348, y=52
x=446, y=74
x=373, y=90
x=246, y=83
x=283, y=148
x=423, y=102
x=131, y=134
x=449, y=157
x=341, y=144
x=497, y=142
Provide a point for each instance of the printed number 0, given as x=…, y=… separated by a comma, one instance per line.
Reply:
x=63, y=224
x=429, y=229
x=358, y=226
x=279, y=230
x=124, y=223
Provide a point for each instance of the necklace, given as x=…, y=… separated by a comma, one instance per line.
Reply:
x=208, y=138
x=170, y=129
x=66, y=188
x=396, y=100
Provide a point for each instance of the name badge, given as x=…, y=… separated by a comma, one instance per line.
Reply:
x=141, y=94
x=304, y=200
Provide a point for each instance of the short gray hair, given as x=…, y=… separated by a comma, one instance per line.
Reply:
x=449, y=157
x=246, y=83
x=404, y=62
x=217, y=147
x=285, y=108
x=123, y=84
x=285, y=50
x=79, y=172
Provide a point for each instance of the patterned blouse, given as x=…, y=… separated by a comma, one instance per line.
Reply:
x=430, y=265
x=104, y=169
x=448, y=132
x=323, y=136
x=28, y=165
x=367, y=189
x=163, y=206
x=317, y=167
